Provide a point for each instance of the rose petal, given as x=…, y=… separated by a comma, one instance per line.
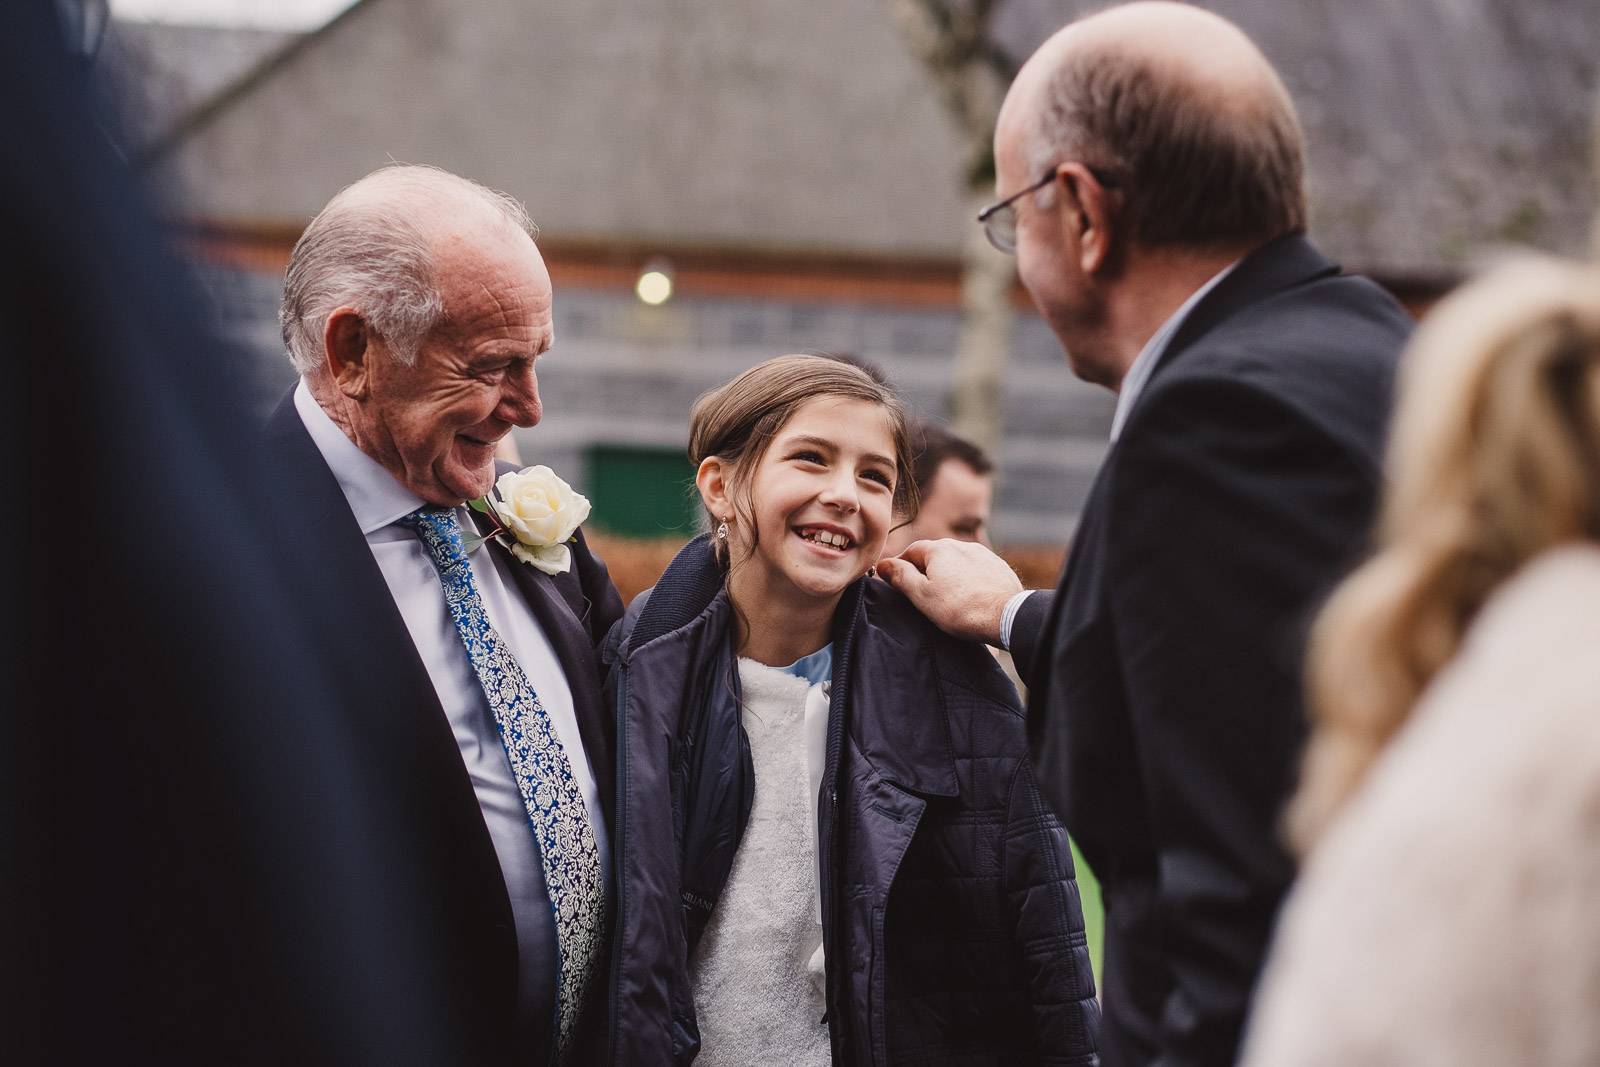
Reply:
x=551, y=559
x=539, y=509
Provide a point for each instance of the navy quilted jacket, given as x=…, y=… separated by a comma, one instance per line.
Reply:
x=951, y=918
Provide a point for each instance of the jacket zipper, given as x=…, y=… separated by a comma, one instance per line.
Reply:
x=618, y=856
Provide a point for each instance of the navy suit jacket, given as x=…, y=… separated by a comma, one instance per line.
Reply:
x=1165, y=706
x=411, y=743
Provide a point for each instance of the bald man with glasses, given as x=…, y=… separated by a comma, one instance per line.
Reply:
x=1152, y=170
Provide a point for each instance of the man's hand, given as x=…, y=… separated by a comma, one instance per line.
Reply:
x=960, y=586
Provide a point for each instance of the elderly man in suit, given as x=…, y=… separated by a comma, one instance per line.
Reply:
x=415, y=308
x=1151, y=167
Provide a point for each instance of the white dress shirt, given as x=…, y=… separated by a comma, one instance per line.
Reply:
x=1133, y=383
x=377, y=500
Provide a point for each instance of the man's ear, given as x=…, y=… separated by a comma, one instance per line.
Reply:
x=714, y=490
x=347, y=351
x=1086, y=206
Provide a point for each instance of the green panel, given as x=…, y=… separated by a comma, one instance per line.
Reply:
x=642, y=492
x=1094, y=913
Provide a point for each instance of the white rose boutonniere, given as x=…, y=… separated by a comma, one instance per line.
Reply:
x=538, y=513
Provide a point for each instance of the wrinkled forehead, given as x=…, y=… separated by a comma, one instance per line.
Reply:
x=476, y=251
x=478, y=245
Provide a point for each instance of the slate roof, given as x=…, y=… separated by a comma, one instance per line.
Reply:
x=156, y=75
x=1437, y=128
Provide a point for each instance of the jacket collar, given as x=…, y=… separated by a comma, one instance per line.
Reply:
x=691, y=582
x=1283, y=264
x=883, y=653
x=898, y=714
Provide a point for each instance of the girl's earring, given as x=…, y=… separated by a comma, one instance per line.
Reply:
x=722, y=530
x=872, y=571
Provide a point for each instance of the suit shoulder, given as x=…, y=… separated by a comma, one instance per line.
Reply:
x=1322, y=354
x=1342, y=322
x=595, y=585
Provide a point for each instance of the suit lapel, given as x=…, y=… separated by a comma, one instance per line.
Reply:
x=332, y=532
x=1282, y=264
x=404, y=723
x=561, y=619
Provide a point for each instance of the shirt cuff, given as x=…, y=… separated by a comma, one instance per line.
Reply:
x=1008, y=617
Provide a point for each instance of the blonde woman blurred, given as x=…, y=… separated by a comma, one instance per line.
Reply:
x=1449, y=911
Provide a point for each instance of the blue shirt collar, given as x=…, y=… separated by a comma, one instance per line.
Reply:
x=817, y=667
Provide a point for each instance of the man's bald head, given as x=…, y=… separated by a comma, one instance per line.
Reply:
x=374, y=247
x=1181, y=114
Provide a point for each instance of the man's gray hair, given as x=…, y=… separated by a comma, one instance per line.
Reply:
x=371, y=253
x=1193, y=172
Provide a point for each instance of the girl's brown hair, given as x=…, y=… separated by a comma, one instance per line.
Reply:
x=1495, y=458
x=737, y=422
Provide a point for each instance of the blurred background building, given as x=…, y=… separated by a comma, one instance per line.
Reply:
x=801, y=175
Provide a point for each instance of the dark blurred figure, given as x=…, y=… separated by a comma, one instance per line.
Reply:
x=197, y=865
x=955, y=479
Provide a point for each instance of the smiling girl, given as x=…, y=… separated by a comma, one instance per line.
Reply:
x=829, y=843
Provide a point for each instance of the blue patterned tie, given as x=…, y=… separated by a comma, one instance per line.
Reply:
x=567, y=847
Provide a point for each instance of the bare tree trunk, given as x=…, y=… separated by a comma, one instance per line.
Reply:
x=951, y=39
x=984, y=347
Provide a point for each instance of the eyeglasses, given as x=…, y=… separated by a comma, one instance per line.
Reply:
x=1000, y=220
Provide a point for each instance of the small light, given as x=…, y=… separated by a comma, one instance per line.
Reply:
x=655, y=287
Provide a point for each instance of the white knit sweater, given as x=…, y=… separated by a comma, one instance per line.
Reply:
x=756, y=1000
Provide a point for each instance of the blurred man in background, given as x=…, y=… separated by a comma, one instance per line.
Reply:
x=955, y=478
